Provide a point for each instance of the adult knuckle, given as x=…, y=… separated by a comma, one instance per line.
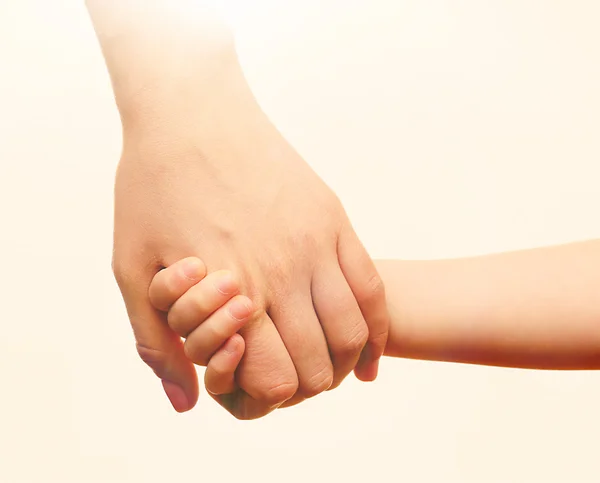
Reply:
x=374, y=288
x=355, y=341
x=279, y=393
x=318, y=382
x=378, y=340
x=156, y=359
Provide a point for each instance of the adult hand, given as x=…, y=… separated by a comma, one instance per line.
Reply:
x=204, y=173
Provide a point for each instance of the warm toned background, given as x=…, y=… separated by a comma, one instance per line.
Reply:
x=447, y=128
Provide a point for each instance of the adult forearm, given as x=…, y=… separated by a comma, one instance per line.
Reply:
x=533, y=308
x=167, y=59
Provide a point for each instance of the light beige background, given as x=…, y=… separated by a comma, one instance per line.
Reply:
x=448, y=128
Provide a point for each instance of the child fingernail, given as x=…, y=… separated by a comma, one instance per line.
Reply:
x=239, y=309
x=226, y=284
x=193, y=269
x=231, y=346
x=176, y=396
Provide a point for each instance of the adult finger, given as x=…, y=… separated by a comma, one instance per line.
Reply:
x=157, y=345
x=266, y=375
x=299, y=327
x=342, y=321
x=367, y=287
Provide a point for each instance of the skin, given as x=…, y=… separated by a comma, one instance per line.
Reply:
x=533, y=309
x=205, y=173
x=208, y=311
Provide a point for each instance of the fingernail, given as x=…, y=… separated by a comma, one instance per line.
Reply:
x=232, y=345
x=193, y=269
x=226, y=284
x=177, y=396
x=239, y=309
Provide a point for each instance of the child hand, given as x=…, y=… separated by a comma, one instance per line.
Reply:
x=207, y=312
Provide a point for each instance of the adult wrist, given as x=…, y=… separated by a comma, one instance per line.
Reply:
x=186, y=91
x=163, y=56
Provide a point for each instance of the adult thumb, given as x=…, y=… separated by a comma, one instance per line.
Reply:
x=161, y=348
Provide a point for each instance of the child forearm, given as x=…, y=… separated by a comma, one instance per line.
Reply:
x=534, y=308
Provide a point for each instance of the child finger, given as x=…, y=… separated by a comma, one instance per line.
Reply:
x=200, y=301
x=205, y=340
x=219, y=377
x=172, y=282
